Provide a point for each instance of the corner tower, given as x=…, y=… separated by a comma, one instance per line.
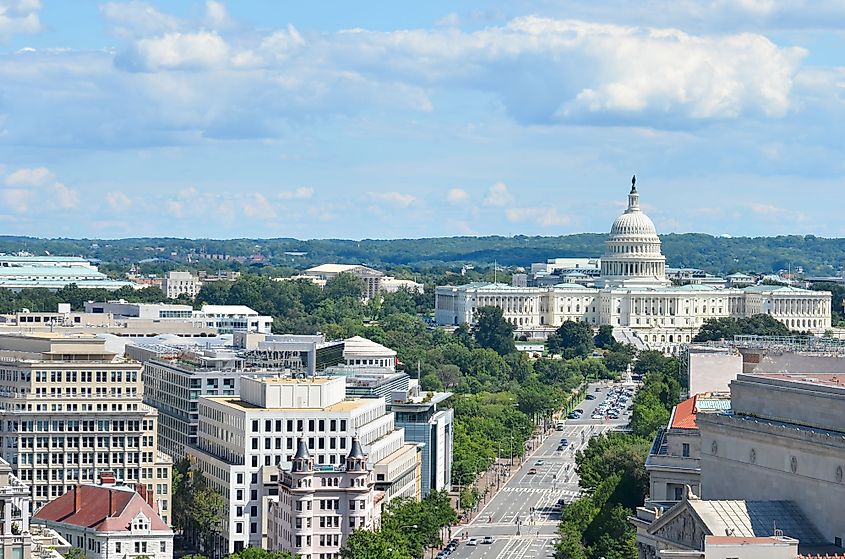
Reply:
x=632, y=257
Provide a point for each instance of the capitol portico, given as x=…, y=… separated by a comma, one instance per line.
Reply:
x=634, y=296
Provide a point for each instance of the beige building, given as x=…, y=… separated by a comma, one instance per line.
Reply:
x=318, y=508
x=70, y=410
x=370, y=277
x=243, y=442
x=785, y=440
x=634, y=296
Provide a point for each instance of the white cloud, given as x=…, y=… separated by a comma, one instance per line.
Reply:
x=175, y=208
x=19, y=16
x=16, y=198
x=771, y=211
x=498, y=195
x=30, y=177
x=216, y=15
x=395, y=198
x=457, y=195
x=299, y=193
x=547, y=217
x=118, y=201
x=179, y=51
x=258, y=206
x=64, y=197
x=136, y=19
x=451, y=19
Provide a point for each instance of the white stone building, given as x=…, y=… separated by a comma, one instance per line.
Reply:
x=634, y=296
x=243, y=441
x=318, y=508
x=361, y=351
x=175, y=284
x=220, y=318
x=108, y=521
x=69, y=410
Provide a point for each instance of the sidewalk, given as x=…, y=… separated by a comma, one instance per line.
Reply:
x=489, y=486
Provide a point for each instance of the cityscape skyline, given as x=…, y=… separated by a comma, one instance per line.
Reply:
x=224, y=120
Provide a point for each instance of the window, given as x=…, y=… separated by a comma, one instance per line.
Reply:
x=685, y=450
x=162, y=547
x=117, y=547
x=679, y=493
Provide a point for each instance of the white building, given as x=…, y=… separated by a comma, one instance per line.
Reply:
x=221, y=318
x=175, y=284
x=361, y=351
x=634, y=296
x=242, y=443
x=370, y=277
x=107, y=521
x=318, y=508
x=69, y=410
x=53, y=273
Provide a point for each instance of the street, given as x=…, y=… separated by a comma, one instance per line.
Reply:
x=521, y=518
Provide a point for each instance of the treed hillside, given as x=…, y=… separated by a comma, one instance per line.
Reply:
x=719, y=255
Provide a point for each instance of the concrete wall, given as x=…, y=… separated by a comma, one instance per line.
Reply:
x=713, y=371
x=753, y=460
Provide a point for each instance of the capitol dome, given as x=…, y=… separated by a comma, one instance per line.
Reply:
x=633, y=255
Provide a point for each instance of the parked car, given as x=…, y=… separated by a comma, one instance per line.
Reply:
x=591, y=396
x=532, y=471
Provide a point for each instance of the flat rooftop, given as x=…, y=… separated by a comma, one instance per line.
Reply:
x=345, y=405
x=824, y=379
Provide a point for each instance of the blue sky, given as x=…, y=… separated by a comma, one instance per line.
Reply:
x=261, y=118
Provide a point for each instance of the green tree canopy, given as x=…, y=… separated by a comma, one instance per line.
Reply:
x=492, y=331
x=572, y=339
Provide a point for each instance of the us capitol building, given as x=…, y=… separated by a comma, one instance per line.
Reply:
x=634, y=296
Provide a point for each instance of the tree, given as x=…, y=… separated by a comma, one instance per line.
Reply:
x=576, y=339
x=259, y=553
x=716, y=329
x=344, y=285
x=604, y=339
x=206, y=512
x=492, y=331
x=618, y=361
x=369, y=544
x=75, y=553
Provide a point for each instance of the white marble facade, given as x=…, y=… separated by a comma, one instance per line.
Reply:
x=635, y=295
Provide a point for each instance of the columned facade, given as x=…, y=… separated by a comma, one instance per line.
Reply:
x=634, y=296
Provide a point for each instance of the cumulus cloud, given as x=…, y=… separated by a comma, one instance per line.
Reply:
x=395, y=198
x=547, y=217
x=118, y=201
x=19, y=17
x=177, y=51
x=137, y=19
x=64, y=197
x=498, y=195
x=457, y=195
x=29, y=177
x=216, y=15
x=17, y=199
x=299, y=193
x=258, y=206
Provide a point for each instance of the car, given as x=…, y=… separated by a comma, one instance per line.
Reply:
x=598, y=388
x=573, y=415
x=596, y=416
x=561, y=448
x=557, y=507
x=591, y=396
x=532, y=471
x=539, y=462
x=472, y=541
x=453, y=543
x=579, y=410
x=487, y=539
x=443, y=554
x=564, y=442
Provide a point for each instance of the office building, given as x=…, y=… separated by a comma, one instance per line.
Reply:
x=244, y=440
x=307, y=354
x=221, y=319
x=318, y=507
x=70, y=410
x=108, y=520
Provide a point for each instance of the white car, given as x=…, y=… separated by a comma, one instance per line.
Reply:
x=472, y=541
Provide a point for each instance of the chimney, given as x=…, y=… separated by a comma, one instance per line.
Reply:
x=77, y=498
x=111, y=502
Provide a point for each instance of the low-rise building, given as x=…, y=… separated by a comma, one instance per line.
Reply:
x=317, y=508
x=306, y=354
x=361, y=351
x=109, y=520
x=244, y=440
x=53, y=273
x=369, y=277
x=217, y=318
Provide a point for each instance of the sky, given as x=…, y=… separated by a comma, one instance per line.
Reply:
x=262, y=118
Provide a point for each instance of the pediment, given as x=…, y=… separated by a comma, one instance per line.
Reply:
x=683, y=529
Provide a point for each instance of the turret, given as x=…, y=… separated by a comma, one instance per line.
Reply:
x=302, y=461
x=356, y=461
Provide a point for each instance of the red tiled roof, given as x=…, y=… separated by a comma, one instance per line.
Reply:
x=825, y=556
x=106, y=509
x=683, y=416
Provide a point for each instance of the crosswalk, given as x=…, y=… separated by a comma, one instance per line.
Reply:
x=543, y=491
